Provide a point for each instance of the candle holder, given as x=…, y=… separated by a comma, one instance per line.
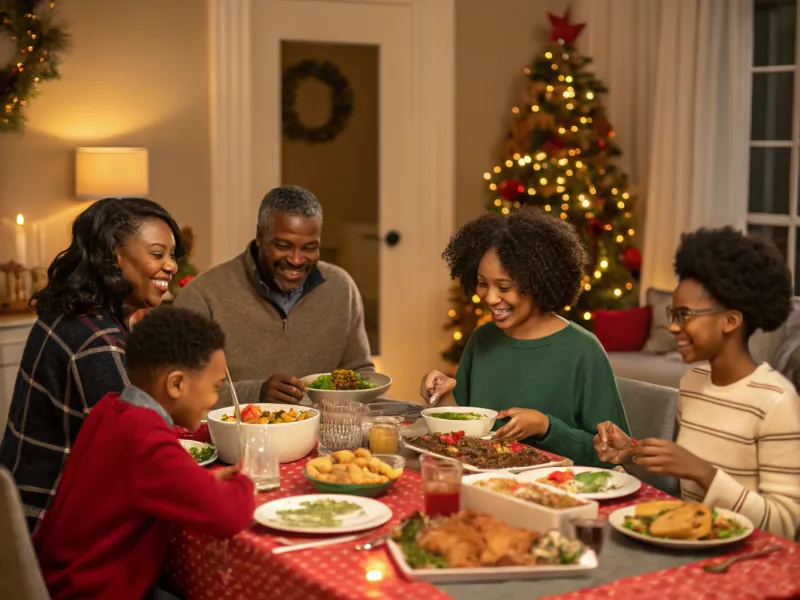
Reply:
x=16, y=300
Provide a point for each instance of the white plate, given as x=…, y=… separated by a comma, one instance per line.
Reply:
x=617, y=518
x=587, y=562
x=626, y=484
x=193, y=444
x=373, y=514
x=471, y=469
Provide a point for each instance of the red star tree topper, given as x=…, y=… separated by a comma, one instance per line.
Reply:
x=564, y=31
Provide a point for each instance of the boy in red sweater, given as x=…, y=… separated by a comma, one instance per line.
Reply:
x=128, y=479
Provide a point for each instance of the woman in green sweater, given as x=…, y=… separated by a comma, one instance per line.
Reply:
x=549, y=377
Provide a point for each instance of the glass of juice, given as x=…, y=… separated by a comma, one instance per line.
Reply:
x=384, y=435
x=441, y=484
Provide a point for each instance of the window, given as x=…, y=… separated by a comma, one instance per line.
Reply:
x=774, y=191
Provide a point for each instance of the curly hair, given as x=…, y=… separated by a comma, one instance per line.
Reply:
x=85, y=278
x=740, y=272
x=170, y=337
x=543, y=255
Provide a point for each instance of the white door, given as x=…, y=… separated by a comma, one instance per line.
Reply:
x=412, y=44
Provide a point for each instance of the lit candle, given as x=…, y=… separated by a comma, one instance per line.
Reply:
x=21, y=243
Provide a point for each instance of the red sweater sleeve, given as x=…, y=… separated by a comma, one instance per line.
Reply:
x=168, y=484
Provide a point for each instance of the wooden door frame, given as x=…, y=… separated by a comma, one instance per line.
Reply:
x=246, y=163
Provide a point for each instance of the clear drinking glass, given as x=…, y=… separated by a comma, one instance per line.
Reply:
x=384, y=435
x=259, y=457
x=339, y=425
x=591, y=532
x=441, y=484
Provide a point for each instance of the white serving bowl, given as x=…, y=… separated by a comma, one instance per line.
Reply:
x=382, y=383
x=293, y=440
x=476, y=428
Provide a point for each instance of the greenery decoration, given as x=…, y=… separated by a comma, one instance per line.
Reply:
x=341, y=100
x=39, y=45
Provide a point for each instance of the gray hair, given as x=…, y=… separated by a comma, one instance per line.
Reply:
x=289, y=199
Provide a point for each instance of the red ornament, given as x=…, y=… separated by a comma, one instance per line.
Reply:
x=564, y=31
x=631, y=258
x=554, y=145
x=595, y=227
x=510, y=189
x=184, y=280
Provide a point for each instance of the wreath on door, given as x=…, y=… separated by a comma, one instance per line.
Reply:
x=341, y=100
x=39, y=44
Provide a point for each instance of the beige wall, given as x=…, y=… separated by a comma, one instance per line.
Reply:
x=135, y=80
x=495, y=40
x=137, y=75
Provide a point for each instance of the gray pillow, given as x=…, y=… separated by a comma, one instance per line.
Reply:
x=660, y=340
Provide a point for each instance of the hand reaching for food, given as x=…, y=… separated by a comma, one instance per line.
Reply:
x=612, y=444
x=435, y=386
x=524, y=423
x=668, y=458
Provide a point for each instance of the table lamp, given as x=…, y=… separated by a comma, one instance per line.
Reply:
x=110, y=173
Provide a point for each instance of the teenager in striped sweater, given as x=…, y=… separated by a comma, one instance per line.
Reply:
x=738, y=445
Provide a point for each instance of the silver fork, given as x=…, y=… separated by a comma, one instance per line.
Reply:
x=722, y=567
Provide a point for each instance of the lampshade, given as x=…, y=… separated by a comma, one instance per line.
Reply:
x=110, y=172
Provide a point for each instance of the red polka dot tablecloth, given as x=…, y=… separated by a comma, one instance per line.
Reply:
x=769, y=577
x=243, y=568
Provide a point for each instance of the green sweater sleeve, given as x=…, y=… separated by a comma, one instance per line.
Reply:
x=597, y=399
x=461, y=391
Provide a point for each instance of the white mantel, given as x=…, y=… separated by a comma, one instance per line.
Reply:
x=14, y=330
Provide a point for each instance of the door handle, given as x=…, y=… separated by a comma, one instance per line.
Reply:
x=392, y=238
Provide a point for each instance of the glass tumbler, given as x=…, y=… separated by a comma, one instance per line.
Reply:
x=259, y=457
x=441, y=484
x=339, y=425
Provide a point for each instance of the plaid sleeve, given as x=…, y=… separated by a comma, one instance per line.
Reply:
x=67, y=366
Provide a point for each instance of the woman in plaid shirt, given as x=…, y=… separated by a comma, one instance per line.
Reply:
x=120, y=261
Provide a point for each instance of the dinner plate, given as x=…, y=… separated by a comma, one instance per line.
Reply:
x=585, y=565
x=471, y=469
x=373, y=514
x=625, y=484
x=194, y=444
x=617, y=518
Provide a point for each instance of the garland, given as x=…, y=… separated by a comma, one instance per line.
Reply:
x=341, y=100
x=39, y=44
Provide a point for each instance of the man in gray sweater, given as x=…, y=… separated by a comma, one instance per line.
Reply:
x=285, y=314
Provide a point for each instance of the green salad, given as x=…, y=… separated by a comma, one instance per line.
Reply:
x=326, y=382
x=201, y=454
x=458, y=416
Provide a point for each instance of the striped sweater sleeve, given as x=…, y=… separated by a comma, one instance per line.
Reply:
x=775, y=506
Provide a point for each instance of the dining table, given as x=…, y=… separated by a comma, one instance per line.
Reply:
x=244, y=567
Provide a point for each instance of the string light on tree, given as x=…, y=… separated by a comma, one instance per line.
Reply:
x=559, y=155
x=37, y=56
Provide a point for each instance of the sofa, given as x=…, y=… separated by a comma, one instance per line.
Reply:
x=659, y=362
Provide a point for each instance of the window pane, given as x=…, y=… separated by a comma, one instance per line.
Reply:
x=777, y=235
x=769, y=180
x=774, y=32
x=773, y=96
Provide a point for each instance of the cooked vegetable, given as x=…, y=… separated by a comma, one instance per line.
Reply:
x=457, y=416
x=319, y=513
x=682, y=520
x=253, y=415
x=342, y=379
x=202, y=454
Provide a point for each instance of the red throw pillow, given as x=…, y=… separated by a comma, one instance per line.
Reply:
x=622, y=330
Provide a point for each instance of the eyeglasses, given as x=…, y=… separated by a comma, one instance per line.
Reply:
x=680, y=315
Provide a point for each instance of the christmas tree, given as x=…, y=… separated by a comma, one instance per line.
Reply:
x=186, y=270
x=558, y=156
